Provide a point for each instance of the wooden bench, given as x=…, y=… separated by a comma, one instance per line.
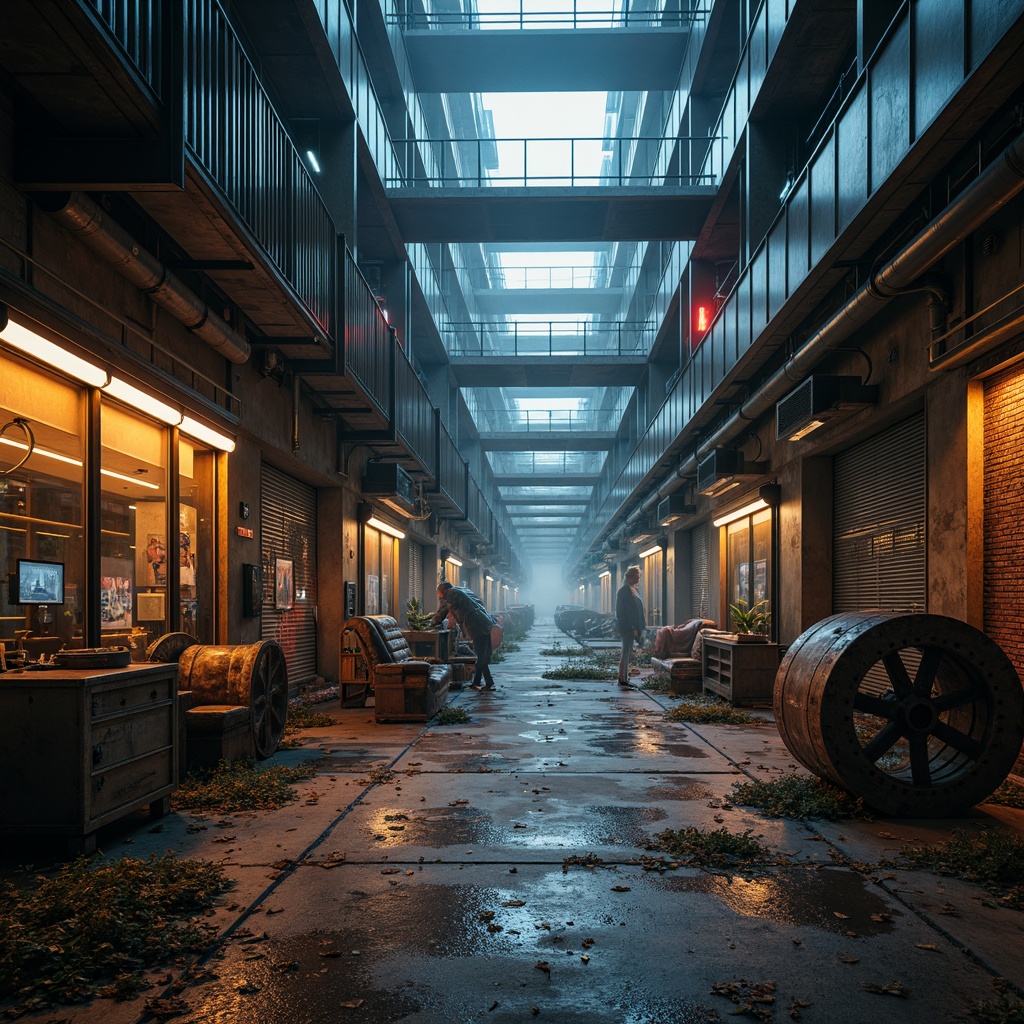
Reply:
x=406, y=689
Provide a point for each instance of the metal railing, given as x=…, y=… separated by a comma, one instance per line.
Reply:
x=542, y=14
x=584, y=276
x=532, y=162
x=547, y=338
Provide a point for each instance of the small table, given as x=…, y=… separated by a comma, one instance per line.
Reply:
x=741, y=671
x=431, y=643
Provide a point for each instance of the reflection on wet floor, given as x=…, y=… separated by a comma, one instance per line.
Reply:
x=835, y=899
x=559, y=825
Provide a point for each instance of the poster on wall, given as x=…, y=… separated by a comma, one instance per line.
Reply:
x=115, y=593
x=151, y=544
x=187, y=519
x=372, y=595
x=284, y=584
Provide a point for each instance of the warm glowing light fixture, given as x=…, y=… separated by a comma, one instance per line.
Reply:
x=488, y=577
x=604, y=575
x=454, y=560
x=768, y=496
x=652, y=550
x=379, y=524
x=32, y=344
x=201, y=432
x=143, y=402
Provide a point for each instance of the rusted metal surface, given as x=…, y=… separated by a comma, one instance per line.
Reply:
x=919, y=715
x=246, y=675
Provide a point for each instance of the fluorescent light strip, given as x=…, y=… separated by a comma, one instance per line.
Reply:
x=37, y=347
x=379, y=524
x=41, y=451
x=650, y=551
x=53, y=355
x=201, y=432
x=604, y=575
x=454, y=560
x=746, y=510
x=488, y=577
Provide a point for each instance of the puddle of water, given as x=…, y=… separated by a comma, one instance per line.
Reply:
x=833, y=899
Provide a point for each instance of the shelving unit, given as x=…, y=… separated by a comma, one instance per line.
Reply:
x=742, y=672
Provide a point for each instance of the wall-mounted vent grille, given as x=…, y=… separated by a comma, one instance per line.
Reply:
x=674, y=508
x=392, y=485
x=817, y=400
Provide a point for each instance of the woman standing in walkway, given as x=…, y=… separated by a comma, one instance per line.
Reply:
x=630, y=619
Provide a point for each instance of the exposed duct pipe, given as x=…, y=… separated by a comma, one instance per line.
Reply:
x=109, y=240
x=905, y=272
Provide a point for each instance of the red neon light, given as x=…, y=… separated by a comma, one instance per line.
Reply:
x=703, y=318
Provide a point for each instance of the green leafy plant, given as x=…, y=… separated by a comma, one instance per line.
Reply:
x=417, y=618
x=705, y=709
x=753, y=619
x=710, y=847
x=798, y=797
x=449, y=715
x=242, y=786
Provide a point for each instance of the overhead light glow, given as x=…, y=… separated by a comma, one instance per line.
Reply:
x=653, y=550
x=201, y=432
x=604, y=575
x=143, y=402
x=379, y=524
x=31, y=344
x=746, y=510
x=313, y=162
x=453, y=560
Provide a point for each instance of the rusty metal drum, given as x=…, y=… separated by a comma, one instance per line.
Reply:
x=919, y=715
x=248, y=675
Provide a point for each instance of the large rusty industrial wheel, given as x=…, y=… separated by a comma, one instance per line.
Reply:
x=920, y=715
x=170, y=646
x=253, y=676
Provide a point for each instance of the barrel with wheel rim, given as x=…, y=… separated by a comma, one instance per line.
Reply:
x=249, y=675
x=919, y=715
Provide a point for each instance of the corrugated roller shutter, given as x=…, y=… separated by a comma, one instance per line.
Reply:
x=288, y=529
x=879, y=523
x=700, y=592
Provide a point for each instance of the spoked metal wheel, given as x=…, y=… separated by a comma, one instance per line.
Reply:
x=268, y=696
x=253, y=676
x=920, y=715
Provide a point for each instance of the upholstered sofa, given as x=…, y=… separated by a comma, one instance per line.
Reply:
x=678, y=651
x=406, y=689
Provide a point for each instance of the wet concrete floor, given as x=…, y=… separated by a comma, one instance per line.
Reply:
x=500, y=870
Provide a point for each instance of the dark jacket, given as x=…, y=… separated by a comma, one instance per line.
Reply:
x=629, y=612
x=468, y=612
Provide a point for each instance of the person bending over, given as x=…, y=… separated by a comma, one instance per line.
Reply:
x=474, y=621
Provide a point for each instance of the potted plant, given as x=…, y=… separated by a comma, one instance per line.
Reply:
x=417, y=619
x=751, y=623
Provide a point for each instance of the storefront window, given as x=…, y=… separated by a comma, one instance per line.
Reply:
x=381, y=571
x=42, y=486
x=196, y=488
x=134, y=538
x=653, y=583
x=748, y=559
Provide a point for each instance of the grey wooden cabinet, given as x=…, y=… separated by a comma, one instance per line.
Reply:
x=742, y=672
x=81, y=747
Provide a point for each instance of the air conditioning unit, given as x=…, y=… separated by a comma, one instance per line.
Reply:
x=642, y=531
x=392, y=485
x=724, y=469
x=673, y=508
x=817, y=400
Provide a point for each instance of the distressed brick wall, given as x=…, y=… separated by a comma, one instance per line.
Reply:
x=1004, y=515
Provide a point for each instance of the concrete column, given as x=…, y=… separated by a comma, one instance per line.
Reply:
x=955, y=454
x=336, y=182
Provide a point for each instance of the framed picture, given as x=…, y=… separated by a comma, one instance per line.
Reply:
x=284, y=584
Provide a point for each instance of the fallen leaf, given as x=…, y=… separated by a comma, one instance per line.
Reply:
x=515, y=903
x=842, y=917
x=928, y=946
x=543, y=965
x=620, y=888
x=493, y=1006
x=847, y=959
x=352, y=1004
x=894, y=988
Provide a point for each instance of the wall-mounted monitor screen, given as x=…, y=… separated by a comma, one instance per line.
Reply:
x=38, y=582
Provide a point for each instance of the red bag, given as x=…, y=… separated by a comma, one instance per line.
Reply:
x=497, y=635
